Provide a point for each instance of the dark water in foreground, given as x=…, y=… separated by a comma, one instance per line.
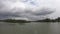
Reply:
x=30, y=28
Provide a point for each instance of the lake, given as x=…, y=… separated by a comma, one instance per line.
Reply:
x=30, y=28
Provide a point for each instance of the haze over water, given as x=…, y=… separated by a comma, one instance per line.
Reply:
x=30, y=28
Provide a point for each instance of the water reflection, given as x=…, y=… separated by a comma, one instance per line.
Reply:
x=29, y=28
x=54, y=28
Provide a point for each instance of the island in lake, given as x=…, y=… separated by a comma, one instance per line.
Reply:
x=25, y=21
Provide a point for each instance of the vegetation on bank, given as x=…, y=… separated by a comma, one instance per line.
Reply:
x=25, y=21
x=14, y=21
x=49, y=20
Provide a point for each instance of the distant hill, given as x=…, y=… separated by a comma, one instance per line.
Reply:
x=49, y=20
x=25, y=21
x=14, y=21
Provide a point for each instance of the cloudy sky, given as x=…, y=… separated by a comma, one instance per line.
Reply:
x=29, y=9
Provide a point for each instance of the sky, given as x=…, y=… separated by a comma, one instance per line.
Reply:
x=29, y=9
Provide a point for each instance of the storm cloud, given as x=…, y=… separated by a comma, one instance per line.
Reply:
x=11, y=8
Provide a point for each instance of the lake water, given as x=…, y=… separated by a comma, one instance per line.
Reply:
x=30, y=28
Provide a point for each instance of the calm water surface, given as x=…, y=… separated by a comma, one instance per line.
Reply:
x=30, y=28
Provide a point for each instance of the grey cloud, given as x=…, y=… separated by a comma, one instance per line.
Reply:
x=25, y=14
x=43, y=12
x=6, y=12
x=35, y=15
x=4, y=15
